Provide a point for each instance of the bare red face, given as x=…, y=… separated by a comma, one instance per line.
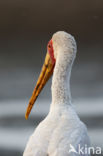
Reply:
x=51, y=51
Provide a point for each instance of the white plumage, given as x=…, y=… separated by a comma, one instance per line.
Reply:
x=62, y=126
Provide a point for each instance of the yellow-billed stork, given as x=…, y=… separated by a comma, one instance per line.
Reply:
x=61, y=131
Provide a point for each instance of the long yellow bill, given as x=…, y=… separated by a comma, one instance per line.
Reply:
x=46, y=72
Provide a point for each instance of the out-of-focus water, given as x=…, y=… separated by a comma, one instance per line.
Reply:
x=15, y=130
x=16, y=85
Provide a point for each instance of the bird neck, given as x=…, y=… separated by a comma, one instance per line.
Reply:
x=61, y=94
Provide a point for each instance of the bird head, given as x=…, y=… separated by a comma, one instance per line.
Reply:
x=60, y=43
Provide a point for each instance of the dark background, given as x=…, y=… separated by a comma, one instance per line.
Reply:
x=26, y=26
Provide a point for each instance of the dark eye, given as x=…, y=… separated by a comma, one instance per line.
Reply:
x=49, y=46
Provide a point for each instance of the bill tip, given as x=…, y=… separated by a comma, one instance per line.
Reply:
x=26, y=116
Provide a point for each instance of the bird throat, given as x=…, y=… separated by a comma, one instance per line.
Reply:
x=61, y=84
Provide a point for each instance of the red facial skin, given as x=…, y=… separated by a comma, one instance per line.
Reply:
x=51, y=51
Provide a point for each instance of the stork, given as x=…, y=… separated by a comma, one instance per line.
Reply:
x=62, y=128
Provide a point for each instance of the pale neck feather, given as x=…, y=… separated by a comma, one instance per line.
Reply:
x=61, y=94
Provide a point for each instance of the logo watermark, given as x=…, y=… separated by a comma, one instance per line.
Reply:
x=85, y=150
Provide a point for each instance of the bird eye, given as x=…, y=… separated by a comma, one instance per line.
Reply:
x=49, y=46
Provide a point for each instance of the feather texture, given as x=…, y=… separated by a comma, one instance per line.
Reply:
x=62, y=126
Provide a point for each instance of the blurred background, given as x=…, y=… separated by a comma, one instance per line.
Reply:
x=25, y=29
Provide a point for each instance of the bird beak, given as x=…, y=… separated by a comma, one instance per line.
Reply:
x=46, y=72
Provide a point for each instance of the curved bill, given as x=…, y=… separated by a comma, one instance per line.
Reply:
x=46, y=72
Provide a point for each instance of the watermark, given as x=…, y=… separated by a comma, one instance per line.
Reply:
x=83, y=150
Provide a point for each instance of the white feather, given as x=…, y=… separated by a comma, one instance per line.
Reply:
x=62, y=127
